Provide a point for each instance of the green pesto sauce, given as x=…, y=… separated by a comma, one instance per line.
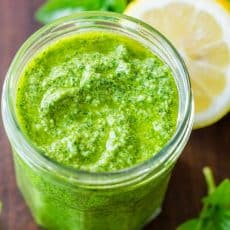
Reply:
x=97, y=101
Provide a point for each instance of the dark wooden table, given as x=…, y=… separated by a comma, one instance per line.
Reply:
x=208, y=146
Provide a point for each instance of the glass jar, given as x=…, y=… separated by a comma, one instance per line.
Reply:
x=65, y=198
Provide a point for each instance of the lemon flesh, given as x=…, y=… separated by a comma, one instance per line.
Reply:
x=200, y=31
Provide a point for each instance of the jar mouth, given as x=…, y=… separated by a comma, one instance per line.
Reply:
x=169, y=153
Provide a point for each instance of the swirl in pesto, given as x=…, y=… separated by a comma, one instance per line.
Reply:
x=97, y=101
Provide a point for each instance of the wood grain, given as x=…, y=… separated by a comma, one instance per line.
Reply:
x=208, y=146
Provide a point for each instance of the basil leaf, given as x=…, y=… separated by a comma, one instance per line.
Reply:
x=54, y=9
x=114, y=5
x=215, y=218
x=215, y=214
x=189, y=225
x=221, y=195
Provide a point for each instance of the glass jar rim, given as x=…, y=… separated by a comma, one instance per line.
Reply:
x=34, y=156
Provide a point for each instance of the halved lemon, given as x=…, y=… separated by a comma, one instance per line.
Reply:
x=200, y=30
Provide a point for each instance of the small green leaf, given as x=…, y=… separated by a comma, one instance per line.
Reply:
x=189, y=225
x=54, y=9
x=215, y=214
x=221, y=196
x=114, y=5
x=215, y=218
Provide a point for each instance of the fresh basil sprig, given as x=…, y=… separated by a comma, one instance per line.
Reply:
x=215, y=214
x=54, y=9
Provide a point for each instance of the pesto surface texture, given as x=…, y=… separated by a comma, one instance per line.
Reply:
x=97, y=101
